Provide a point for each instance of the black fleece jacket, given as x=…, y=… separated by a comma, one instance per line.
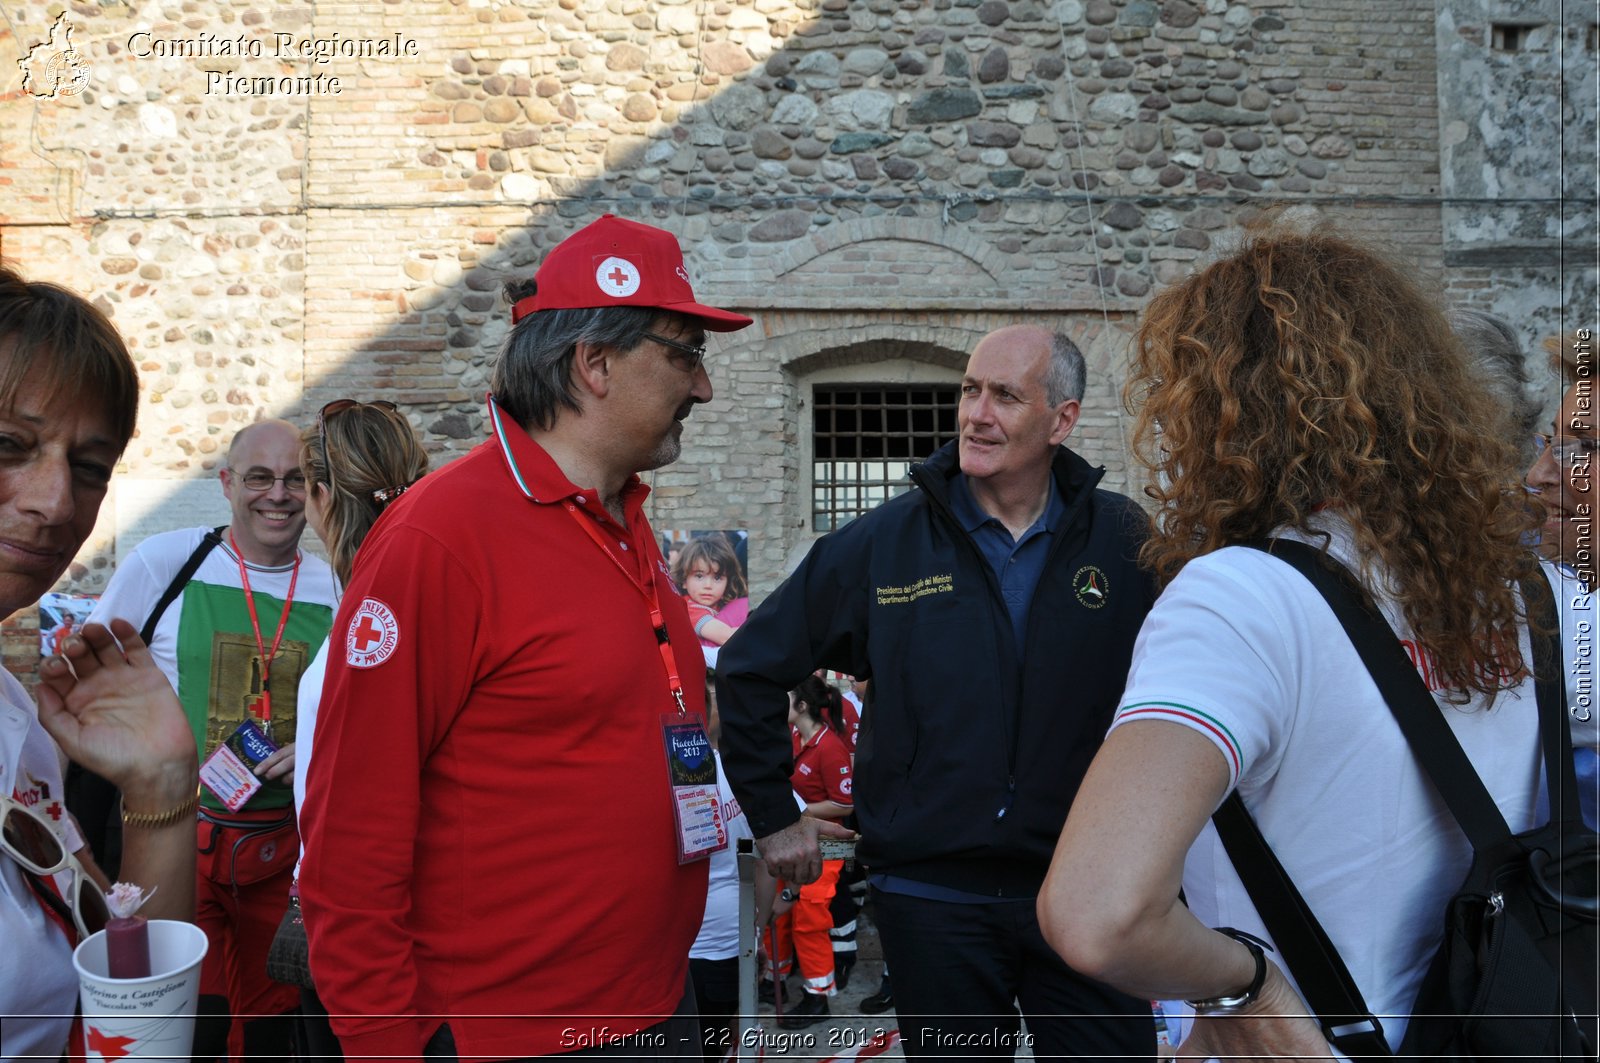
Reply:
x=967, y=761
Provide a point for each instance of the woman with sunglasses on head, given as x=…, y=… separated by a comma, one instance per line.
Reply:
x=68, y=399
x=359, y=457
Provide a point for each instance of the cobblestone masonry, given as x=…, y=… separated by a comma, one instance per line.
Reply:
x=879, y=182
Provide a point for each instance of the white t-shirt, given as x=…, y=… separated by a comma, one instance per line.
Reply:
x=205, y=641
x=305, y=729
x=38, y=989
x=719, y=930
x=1241, y=649
x=143, y=576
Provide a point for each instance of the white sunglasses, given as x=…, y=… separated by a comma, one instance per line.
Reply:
x=28, y=839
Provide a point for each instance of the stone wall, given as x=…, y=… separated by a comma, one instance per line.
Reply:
x=879, y=182
x=1517, y=91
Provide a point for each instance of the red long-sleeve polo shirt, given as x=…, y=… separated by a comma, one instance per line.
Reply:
x=489, y=833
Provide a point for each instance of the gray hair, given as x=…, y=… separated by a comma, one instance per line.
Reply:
x=1067, y=377
x=1497, y=359
x=533, y=375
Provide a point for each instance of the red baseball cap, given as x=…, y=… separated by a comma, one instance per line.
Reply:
x=615, y=262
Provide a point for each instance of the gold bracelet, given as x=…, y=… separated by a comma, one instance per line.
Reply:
x=161, y=819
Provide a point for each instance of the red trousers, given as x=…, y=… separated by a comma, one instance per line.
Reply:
x=241, y=892
x=804, y=928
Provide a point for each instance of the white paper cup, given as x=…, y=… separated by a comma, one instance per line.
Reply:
x=143, y=1018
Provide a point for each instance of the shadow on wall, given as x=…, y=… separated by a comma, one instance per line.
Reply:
x=871, y=179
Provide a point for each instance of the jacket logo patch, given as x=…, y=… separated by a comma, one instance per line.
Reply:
x=1091, y=586
x=942, y=584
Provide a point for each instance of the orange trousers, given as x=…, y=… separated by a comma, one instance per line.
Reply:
x=804, y=930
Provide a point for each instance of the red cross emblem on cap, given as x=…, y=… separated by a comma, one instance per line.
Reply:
x=617, y=277
x=373, y=634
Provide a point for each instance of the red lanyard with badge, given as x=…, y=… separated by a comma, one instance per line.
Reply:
x=691, y=769
x=229, y=772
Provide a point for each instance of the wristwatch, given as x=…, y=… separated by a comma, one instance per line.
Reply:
x=789, y=895
x=1235, y=1001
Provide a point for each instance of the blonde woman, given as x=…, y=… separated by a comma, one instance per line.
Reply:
x=359, y=457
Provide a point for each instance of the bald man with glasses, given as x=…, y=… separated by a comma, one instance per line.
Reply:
x=233, y=615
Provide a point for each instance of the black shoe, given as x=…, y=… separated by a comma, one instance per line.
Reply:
x=841, y=974
x=879, y=1002
x=764, y=990
x=811, y=1009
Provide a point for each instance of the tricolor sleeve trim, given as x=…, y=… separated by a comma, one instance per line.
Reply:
x=1206, y=724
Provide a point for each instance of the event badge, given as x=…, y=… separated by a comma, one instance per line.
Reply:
x=229, y=772
x=692, y=776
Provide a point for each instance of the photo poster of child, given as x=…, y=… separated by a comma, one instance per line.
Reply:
x=59, y=616
x=709, y=569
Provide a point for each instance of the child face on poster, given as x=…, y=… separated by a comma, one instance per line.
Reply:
x=705, y=584
x=708, y=572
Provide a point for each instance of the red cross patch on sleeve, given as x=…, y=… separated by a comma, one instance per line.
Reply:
x=373, y=635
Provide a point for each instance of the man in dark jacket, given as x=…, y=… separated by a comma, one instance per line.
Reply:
x=994, y=609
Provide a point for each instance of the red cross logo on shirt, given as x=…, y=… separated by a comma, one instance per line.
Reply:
x=366, y=635
x=53, y=810
x=372, y=636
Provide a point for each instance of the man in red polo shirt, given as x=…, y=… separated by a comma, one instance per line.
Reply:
x=497, y=863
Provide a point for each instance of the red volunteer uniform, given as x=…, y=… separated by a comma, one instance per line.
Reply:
x=822, y=769
x=821, y=773
x=490, y=837
x=852, y=721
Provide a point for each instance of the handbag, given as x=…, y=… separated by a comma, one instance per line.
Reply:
x=1516, y=973
x=289, y=957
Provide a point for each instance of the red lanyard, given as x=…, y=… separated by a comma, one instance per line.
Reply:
x=264, y=712
x=647, y=589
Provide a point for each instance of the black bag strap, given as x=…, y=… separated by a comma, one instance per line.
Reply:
x=210, y=542
x=1346, y=1022
x=1322, y=976
x=1555, y=733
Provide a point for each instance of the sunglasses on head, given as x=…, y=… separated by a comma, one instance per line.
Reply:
x=333, y=409
x=28, y=839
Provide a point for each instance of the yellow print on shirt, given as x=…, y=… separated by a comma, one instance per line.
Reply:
x=236, y=667
x=941, y=584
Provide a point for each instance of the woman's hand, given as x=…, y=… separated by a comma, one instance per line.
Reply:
x=1275, y=1025
x=112, y=710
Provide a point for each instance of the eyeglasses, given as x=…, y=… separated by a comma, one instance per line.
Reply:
x=338, y=406
x=28, y=839
x=261, y=480
x=693, y=353
x=1569, y=452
